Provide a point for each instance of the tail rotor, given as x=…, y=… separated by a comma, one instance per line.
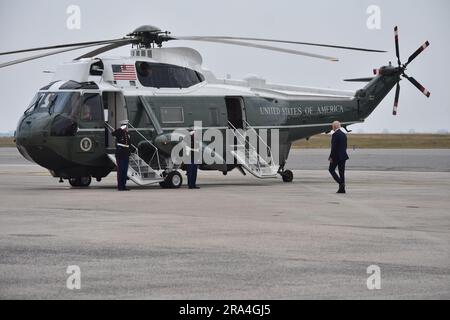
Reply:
x=397, y=96
x=397, y=46
x=402, y=69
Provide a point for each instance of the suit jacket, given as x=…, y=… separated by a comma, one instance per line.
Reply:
x=339, y=146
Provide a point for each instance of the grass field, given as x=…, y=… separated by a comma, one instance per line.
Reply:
x=362, y=141
x=7, y=142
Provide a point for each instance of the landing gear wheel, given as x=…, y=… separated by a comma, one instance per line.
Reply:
x=287, y=176
x=80, y=182
x=173, y=180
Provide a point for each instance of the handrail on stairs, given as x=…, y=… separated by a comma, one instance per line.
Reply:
x=259, y=137
x=245, y=142
x=151, y=144
x=111, y=129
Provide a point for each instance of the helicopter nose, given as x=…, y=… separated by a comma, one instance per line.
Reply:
x=25, y=132
x=21, y=137
x=31, y=138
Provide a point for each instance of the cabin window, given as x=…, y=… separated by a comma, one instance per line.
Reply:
x=172, y=115
x=159, y=75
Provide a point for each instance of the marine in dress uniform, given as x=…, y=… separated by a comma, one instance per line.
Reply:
x=338, y=156
x=122, y=154
x=192, y=166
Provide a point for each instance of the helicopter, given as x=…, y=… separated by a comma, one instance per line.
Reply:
x=161, y=90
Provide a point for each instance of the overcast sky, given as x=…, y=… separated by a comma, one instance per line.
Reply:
x=25, y=24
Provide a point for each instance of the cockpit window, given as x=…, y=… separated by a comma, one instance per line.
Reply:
x=65, y=106
x=45, y=102
x=159, y=75
x=73, y=111
x=33, y=103
x=84, y=108
x=66, y=103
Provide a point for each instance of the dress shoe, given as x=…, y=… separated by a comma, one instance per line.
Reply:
x=341, y=188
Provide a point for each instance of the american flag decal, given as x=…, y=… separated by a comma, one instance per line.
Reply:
x=124, y=72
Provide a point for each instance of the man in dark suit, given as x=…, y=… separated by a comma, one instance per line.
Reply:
x=338, y=155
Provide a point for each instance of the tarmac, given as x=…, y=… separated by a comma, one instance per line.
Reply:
x=235, y=238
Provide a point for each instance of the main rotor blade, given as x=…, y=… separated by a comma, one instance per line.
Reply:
x=60, y=46
x=418, y=86
x=397, y=97
x=259, y=46
x=360, y=79
x=417, y=52
x=105, y=49
x=275, y=40
x=116, y=44
x=43, y=55
x=397, y=46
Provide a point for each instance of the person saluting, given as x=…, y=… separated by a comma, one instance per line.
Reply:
x=123, y=143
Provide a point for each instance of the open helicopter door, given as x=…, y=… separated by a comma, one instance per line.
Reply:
x=244, y=151
x=236, y=112
x=139, y=171
x=115, y=112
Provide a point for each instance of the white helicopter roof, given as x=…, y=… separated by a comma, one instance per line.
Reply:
x=79, y=71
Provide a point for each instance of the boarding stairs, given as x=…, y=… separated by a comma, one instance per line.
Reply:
x=139, y=171
x=247, y=154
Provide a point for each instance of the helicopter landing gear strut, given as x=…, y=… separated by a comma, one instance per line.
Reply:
x=172, y=180
x=80, y=182
x=287, y=175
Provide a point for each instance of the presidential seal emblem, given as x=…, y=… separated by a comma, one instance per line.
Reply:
x=86, y=144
